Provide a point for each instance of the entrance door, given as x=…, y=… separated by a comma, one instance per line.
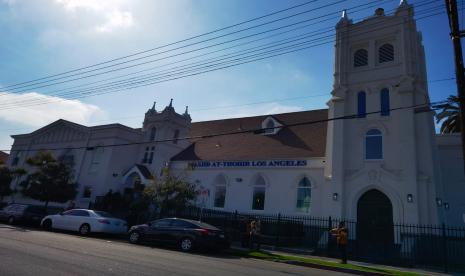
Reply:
x=375, y=230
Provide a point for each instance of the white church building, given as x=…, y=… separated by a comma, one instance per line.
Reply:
x=388, y=165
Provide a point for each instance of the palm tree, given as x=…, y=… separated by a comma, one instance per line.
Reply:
x=449, y=116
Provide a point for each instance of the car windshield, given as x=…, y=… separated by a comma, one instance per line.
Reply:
x=104, y=214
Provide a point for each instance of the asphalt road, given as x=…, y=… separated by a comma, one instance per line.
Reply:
x=35, y=252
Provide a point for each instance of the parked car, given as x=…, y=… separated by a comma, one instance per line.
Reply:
x=182, y=233
x=25, y=214
x=85, y=221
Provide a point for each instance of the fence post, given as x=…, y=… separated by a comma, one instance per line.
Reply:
x=276, y=242
x=330, y=225
x=444, y=248
x=236, y=227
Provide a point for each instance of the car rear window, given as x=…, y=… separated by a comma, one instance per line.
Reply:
x=205, y=225
x=182, y=224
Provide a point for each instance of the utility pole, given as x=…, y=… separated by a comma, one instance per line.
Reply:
x=456, y=34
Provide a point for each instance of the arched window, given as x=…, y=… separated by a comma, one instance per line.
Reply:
x=360, y=58
x=153, y=133
x=373, y=145
x=176, y=136
x=220, y=192
x=258, y=197
x=304, y=195
x=384, y=102
x=152, y=149
x=148, y=155
x=361, y=104
x=386, y=53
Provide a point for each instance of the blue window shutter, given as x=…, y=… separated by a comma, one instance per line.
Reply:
x=361, y=104
x=385, y=102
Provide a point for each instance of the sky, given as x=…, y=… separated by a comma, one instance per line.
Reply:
x=46, y=37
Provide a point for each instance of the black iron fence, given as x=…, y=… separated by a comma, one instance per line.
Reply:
x=427, y=246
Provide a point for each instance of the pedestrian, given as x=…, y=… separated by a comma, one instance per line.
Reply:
x=251, y=233
x=341, y=234
x=255, y=228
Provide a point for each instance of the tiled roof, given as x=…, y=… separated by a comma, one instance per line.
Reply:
x=291, y=142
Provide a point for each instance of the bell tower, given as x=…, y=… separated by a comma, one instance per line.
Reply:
x=379, y=67
x=162, y=131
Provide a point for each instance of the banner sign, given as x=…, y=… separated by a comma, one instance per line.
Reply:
x=242, y=164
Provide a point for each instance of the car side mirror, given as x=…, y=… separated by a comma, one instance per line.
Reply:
x=61, y=213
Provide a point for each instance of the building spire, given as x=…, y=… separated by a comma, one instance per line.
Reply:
x=171, y=103
x=404, y=9
x=153, y=107
x=344, y=15
x=344, y=19
x=187, y=110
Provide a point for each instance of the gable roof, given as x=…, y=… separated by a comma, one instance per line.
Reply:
x=144, y=171
x=290, y=142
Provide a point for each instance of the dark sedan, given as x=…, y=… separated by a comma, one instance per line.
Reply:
x=26, y=214
x=182, y=233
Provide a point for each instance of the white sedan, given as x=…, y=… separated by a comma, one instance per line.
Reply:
x=85, y=221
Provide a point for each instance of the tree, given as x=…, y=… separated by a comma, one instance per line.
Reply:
x=6, y=176
x=52, y=181
x=5, y=181
x=170, y=192
x=449, y=116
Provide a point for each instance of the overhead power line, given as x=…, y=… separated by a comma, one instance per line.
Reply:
x=187, y=45
x=131, y=84
x=418, y=108
x=223, y=106
x=205, y=54
x=169, y=44
x=35, y=86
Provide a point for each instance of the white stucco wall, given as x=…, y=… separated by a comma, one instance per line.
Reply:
x=281, y=186
x=453, y=179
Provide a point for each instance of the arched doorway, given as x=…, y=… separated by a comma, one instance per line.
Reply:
x=375, y=229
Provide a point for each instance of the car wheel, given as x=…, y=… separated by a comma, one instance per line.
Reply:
x=186, y=244
x=134, y=237
x=11, y=220
x=47, y=225
x=84, y=229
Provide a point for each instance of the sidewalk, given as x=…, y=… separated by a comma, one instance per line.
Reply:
x=326, y=263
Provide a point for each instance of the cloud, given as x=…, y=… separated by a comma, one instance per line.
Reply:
x=41, y=115
x=107, y=15
x=116, y=20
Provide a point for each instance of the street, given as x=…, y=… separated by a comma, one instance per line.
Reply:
x=34, y=252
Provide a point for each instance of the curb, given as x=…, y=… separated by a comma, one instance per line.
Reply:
x=318, y=266
x=331, y=268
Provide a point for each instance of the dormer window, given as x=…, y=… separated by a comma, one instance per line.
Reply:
x=270, y=126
